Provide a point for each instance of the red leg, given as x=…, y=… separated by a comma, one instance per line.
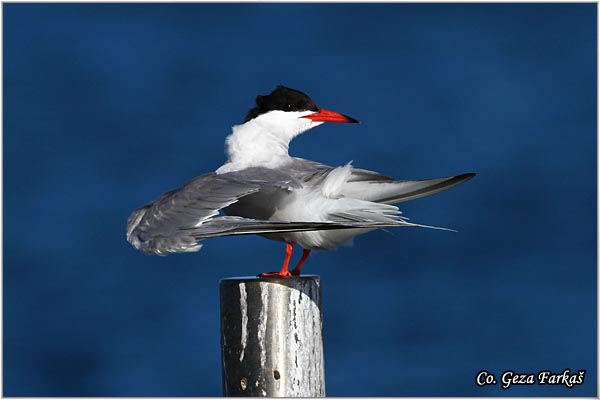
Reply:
x=284, y=273
x=305, y=254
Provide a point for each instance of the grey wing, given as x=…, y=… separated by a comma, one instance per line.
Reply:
x=304, y=170
x=179, y=219
x=371, y=186
x=163, y=227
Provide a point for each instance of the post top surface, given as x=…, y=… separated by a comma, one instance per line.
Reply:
x=256, y=279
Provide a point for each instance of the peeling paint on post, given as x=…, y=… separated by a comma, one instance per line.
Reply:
x=271, y=337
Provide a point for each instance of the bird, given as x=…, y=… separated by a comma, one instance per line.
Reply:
x=262, y=189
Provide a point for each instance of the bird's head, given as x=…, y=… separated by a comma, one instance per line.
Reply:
x=290, y=112
x=264, y=137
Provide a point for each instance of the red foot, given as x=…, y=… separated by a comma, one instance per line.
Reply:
x=279, y=274
x=305, y=254
x=284, y=273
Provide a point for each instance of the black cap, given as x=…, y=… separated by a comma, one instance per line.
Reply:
x=283, y=99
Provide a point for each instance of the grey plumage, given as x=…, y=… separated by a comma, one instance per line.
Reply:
x=252, y=197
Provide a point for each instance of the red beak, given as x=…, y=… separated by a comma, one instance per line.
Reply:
x=330, y=116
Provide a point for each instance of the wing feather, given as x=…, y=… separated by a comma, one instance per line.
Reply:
x=179, y=219
x=392, y=192
x=371, y=186
x=162, y=227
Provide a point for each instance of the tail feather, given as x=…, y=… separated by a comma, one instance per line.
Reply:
x=231, y=226
x=188, y=240
x=400, y=191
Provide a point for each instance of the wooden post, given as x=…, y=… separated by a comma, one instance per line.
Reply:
x=271, y=339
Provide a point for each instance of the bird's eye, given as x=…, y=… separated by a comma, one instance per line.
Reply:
x=288, y=106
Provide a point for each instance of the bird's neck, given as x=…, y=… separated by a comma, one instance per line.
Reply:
x=255, y=144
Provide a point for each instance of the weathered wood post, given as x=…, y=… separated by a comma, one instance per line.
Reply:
x=271, y=339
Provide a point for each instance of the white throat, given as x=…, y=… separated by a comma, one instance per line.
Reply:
x=264, y=141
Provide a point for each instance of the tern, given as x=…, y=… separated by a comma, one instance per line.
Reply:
x=263, y=190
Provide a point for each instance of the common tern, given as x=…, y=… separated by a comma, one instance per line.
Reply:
x=263, y=190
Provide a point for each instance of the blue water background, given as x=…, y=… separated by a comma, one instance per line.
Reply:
x=106, y=106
